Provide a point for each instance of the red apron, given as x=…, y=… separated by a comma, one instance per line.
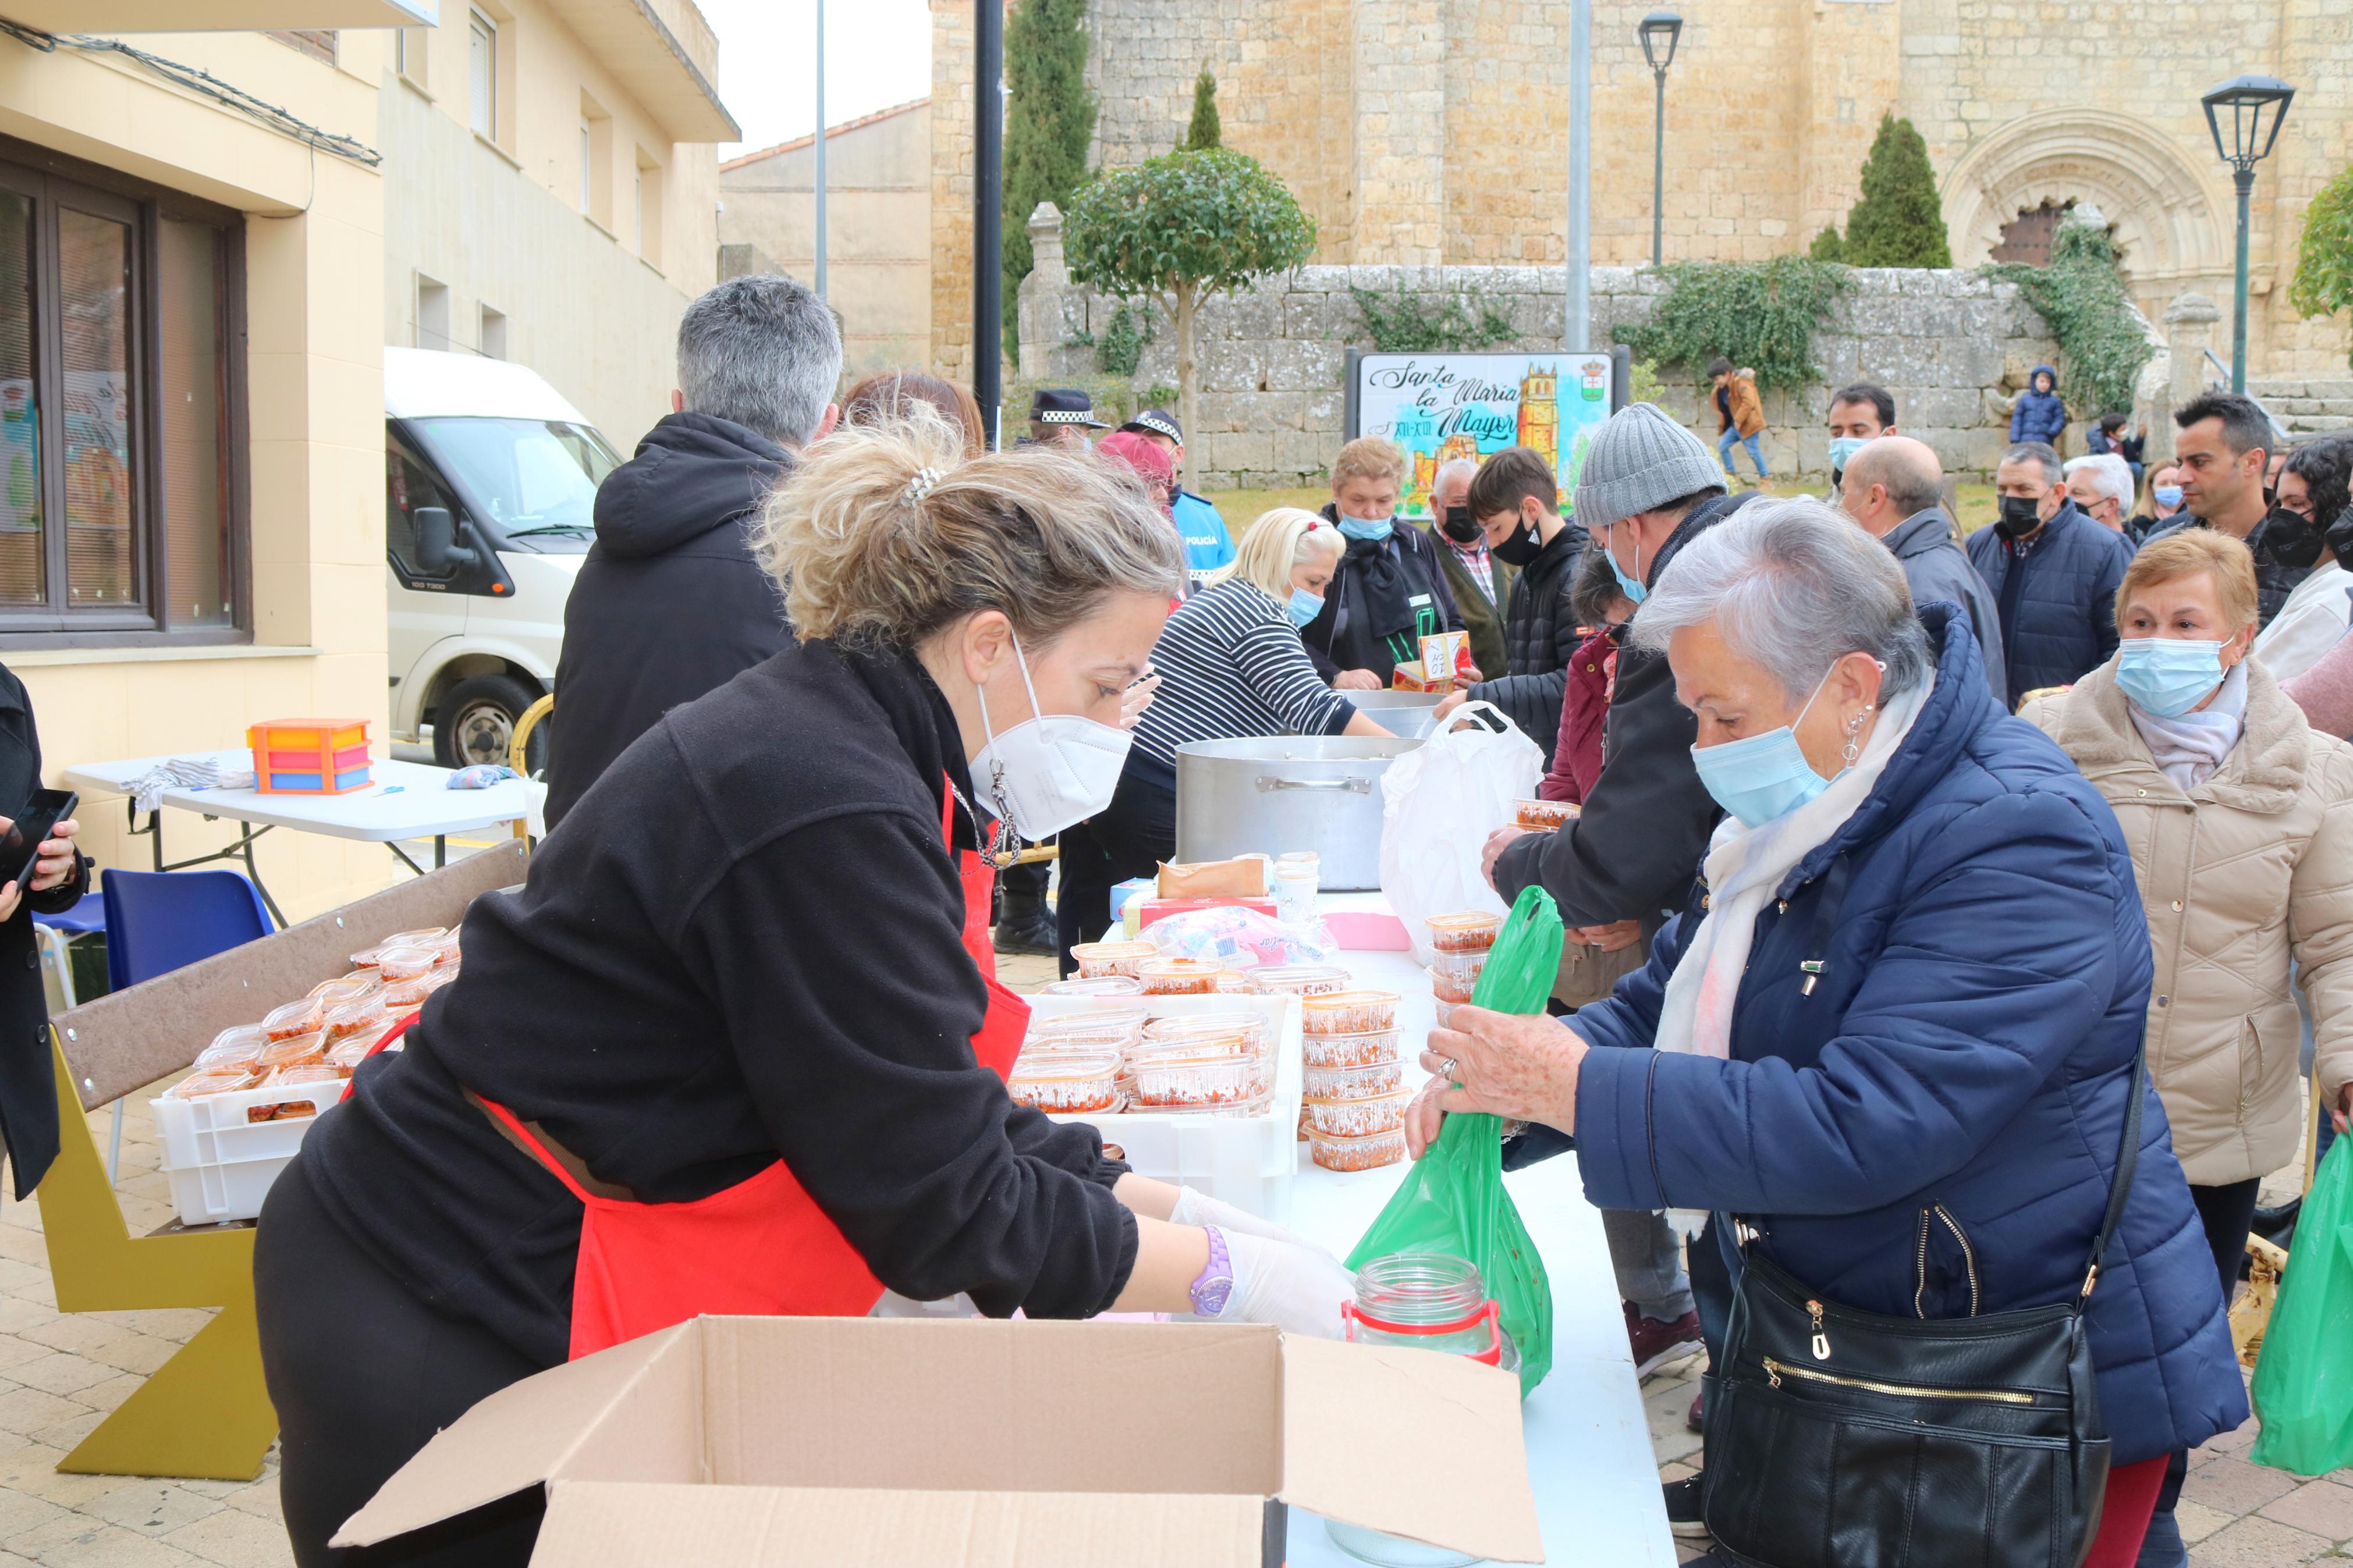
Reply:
x=762, y=1247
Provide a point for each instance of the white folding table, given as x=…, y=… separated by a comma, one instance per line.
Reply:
x=407, y=801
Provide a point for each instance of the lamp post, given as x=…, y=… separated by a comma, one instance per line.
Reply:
x=1658, y=32
x=987, y=204
x=819, y=173
x=1576, y=304
x=2245, y=99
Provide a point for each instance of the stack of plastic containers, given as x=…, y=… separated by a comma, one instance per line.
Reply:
x=1461, y=943
x=1354, y=1109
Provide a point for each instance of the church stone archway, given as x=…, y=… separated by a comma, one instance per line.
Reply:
x=2169, y=225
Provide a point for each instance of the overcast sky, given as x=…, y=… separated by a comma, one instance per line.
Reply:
x=877, y=53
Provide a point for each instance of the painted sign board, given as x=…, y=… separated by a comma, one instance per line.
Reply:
x=1440, y=406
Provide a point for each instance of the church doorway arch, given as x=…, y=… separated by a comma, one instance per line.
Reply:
x=2167, y=221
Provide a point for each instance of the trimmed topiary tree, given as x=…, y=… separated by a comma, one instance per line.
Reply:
x=1827, y=246
x=1178, y=228
x=1899, y=222
x=1050, y=118
x=2324, y=262
x=1203, y=132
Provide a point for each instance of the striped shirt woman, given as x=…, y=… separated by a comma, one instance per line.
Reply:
x=1231, y=665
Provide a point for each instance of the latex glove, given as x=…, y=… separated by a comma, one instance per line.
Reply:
x=1297, y=1289
x=1200, y=1208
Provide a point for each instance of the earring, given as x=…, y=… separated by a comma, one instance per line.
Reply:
x=1854, y=735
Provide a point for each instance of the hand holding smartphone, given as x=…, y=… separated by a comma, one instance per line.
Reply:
x=20, y=845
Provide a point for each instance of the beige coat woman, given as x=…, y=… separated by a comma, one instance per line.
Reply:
x=2248, y=870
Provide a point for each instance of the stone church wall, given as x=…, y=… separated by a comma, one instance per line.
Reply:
x=1953, y=348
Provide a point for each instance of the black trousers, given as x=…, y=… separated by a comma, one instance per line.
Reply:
x=2227, y=1212
x=362, y=1373
x=1129, y=838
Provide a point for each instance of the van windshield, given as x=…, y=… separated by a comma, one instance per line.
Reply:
x=525, y=476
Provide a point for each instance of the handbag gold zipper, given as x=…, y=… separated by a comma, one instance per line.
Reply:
x=1775, y=1370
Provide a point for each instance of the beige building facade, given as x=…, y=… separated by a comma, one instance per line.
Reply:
x=191, y=370
x=878, y=228
x=551, y=191
x=1424, y=132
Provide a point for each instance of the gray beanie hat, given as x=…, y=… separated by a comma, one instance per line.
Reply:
x=1639, y=460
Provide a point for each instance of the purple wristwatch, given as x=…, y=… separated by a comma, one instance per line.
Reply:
x=1210, y=1289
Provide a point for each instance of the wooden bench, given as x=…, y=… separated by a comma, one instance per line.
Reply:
x=204, y=1412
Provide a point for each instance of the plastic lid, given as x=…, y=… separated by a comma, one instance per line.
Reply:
x=1035, y=1067
x=1466, y=919
x=403, y=962
x=1184, y=966
x=1096, y=985
x=1338, y=999
x=196, y=1085
x=1098, y=950
x=296, y=1017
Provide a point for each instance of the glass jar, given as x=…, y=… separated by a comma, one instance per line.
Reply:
x=1415, y=1291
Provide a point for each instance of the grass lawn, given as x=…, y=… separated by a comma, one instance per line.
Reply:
x=1242, y=508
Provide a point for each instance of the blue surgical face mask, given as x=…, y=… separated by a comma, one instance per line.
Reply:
x=2168, y=676
x=1370, y=529
x=1844, y=447
x=1634, y=588
x=1760, y=777
x=2167, y=495
x=1305, y=606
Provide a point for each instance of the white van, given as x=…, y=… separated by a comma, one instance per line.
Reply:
x=489, y=484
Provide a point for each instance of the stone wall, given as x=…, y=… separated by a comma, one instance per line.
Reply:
x=1951, y=346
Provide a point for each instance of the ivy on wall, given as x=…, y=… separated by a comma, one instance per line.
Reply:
x=1405, y=323
x=2081, y=295
x=1120, y=348
x=1761, y=314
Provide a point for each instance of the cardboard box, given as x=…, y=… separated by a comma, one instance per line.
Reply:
x=1410, y=676
x=1447, y=655
x=902, y=1443
x=1244, y=877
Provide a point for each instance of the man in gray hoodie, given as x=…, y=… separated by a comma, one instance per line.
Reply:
x=1894, y=490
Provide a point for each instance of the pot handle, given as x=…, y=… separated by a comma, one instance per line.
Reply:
x=1353, y=785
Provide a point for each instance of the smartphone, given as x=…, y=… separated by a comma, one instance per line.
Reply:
x=20, y=845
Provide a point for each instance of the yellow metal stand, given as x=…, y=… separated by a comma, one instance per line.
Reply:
x=205, y=1412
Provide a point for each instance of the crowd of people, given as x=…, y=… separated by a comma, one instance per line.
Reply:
x=1904, y=862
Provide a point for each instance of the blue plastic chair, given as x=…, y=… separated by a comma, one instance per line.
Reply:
x=157, y=921
x=86, y=916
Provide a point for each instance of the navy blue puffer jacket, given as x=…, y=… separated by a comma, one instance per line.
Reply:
x=2036, y=414
x=2057, y=602
x=1933, y=1129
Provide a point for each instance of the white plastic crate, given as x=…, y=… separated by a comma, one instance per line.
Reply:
x=1245, y=1160
x=221, y=1164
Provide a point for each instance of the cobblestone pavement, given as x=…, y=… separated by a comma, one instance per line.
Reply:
x=61, y=1374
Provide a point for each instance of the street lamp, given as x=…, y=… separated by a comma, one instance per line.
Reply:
x=1658, y=32
x=2245, y=98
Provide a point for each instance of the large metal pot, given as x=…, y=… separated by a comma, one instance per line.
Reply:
x=1410, y=715
x=1283, y=792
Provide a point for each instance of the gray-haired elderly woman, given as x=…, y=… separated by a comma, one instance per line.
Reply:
x=1895, y=1035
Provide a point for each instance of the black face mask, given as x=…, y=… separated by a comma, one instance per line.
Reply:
x=2287, y=539
x=1521, y=548
x=2019, y=517
x=2340, y=535
x=1459, y=526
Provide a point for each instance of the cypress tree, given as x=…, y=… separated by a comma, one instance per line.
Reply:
x=1899, y=222
x=1050, y=119
x=1203, y=132
x=1827, y=246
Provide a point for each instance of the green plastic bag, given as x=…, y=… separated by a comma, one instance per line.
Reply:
x=1453, y=1201
x=2304, y=1380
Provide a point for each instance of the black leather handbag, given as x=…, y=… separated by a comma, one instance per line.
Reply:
x=1845, y=1439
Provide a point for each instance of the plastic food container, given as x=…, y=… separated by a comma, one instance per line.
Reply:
x=1542, y=816
x=1097, y=959
x=1358, y=1117
x=1453, y=976
x=294, y=1051
x=196, y=1085
x=424, y=937
x=238, y=1048
x=346, y=1058
x=1127, y=1022
x=1367, y=1153
x=1099, y=985
x=1065, y=1080
x=344, y=988
x=366, y=1017
x=1179, y=976
x=1254, y=1106
x=1348, y=1012
x=1179, y=1078
x=1253, y=1029
x=406, y=997
x=1472, y=931
x=1299, y=979
x=397, y=964
x=1350, y=1050
x=303, y=1072
x=1353, y=1083
x=301, y=1018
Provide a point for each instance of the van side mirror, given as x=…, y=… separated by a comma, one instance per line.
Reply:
x=438, y=554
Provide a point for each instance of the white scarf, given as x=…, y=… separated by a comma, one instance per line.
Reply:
x=2188, y=747
x=1745, y=868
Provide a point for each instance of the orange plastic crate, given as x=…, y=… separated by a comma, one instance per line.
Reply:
x=310, y=756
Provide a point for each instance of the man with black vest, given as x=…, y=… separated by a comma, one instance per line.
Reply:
x=1516, y=499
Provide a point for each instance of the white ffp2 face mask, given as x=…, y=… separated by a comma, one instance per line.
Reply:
x=1051, y=769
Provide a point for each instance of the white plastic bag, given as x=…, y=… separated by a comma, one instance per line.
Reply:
x=1438, y=803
